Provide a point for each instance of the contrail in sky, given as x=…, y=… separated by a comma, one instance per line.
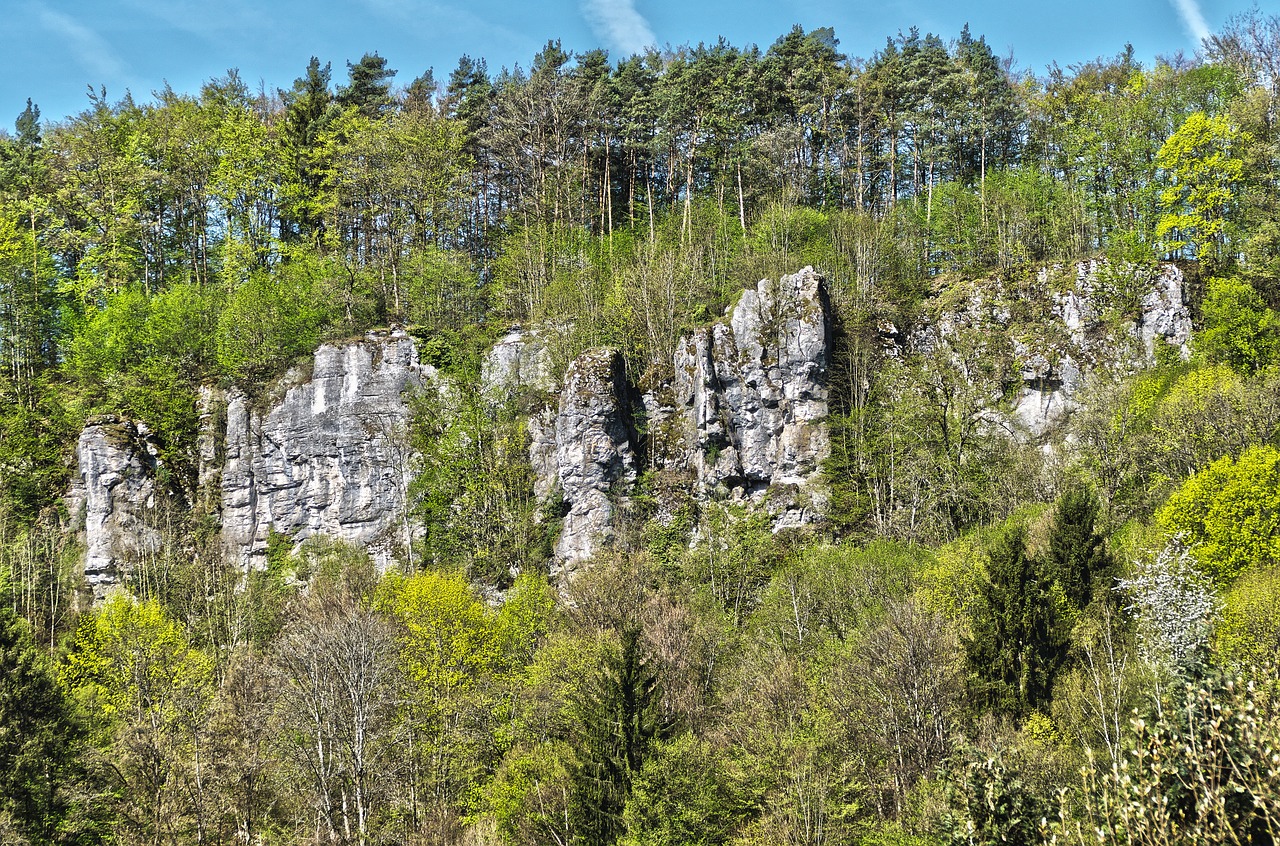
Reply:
x=1193, y=19
x=620, y=24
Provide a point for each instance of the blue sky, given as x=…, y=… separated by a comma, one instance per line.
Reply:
x=54, y=49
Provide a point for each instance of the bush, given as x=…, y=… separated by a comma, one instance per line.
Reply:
x=1203, y=772
x=271, y=320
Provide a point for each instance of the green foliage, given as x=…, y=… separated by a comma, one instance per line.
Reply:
x=1202, y=772
x=1077, y=556
x=684, y=795
x=148, y=691
x=449, y=640
x=474, y=489
x=129, y=661
x=825, y=592
x=369, y=90
x=1208, y=413
x=40, y=737
x=268, y=591
x=736, y=559
x=1240, y=331
x=991, y=800
x=528, y=797
x=274, y=318
x=1197, y=160
x=33, y=435
x=619, y=718
x=1248, y=633
x=144, y=355
x=1017, y=643
x=1229, y=513
x=438, y=290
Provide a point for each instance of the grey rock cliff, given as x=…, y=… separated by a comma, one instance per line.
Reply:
x=594, y=456
x=114, y=497
x=329, y=456
x=1052, y=382
x=742, y=418
x=750, y=394
x=1090, y=325
x=519, y=359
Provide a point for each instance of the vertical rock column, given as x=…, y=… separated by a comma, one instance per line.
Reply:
x=594, y=453
x=329, y=457
x=115, y=496
x=752, y=391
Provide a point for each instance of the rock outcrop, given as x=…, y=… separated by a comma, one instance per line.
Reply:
x=328, y=456
x=750, y=394
x=741, y=419
x=1052, y=381
x=594, y=456
x=323, y=452
x=519, y=360
x=1067, y=323
x=114, y=496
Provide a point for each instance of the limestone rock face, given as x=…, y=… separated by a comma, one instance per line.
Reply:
x=1087, y=328
x=114, y=494
x=742, y=418
x=519, y=359
x=594, y=453
x=329, y=456
x=1051, y=387
x=1165, y=317
x=750, y=395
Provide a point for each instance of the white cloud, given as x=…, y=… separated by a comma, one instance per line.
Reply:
x=1193, y=19
x=620, y=24
x=89, y=48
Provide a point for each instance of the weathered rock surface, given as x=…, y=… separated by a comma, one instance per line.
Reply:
x=519, y=360
x=1083, y=331
x=594, y=455
x=114, y=497
x=750, y=395
x=327, y=457
x=742, y=418
x=1052, y=383
x=324, y=452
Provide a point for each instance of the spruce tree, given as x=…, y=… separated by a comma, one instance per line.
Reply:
x=38, y=736
x=1077, y=556
x=1018, y=640
x=620, y=718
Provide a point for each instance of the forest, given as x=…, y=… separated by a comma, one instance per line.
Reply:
x=983, y=640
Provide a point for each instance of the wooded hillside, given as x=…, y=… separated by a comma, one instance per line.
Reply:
x=984, y=638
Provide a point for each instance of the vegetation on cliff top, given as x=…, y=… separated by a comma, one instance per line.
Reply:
x=973, y=626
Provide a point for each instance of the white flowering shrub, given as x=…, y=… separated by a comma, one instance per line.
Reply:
x=1174, y=605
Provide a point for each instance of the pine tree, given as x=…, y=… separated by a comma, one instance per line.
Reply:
x=308, y=112
x=369, y=88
